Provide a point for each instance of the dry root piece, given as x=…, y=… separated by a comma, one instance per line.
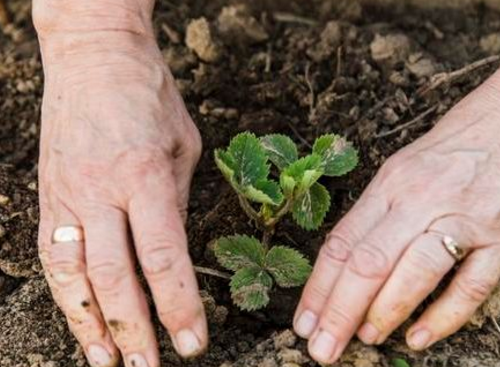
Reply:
x=391, y=49
x=200, y=39
x=236, y=25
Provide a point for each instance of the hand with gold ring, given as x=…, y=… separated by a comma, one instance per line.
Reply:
x=117, y=153
x=434, y=206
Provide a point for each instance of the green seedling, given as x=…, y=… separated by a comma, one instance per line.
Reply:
x=267, y=198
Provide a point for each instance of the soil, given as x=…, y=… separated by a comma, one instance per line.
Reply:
x=293, y=67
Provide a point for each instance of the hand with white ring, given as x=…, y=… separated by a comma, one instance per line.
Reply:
x=117, y=153
x=397, y=243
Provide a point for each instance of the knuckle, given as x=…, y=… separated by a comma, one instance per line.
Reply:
x=369, y=261
x=473, y=289
x=160, y=256
x=336, y=248
x=336, y=317
x=175, y=315
x=107, y=276
x=421, y=262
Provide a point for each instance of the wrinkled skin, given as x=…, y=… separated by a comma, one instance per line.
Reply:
x=118, y=150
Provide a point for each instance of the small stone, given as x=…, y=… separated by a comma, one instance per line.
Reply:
x=4, y=200
x=390, y=49
x=199, y=38
x=268, y=362
x=420, y=67
x=330, y=40
x=490, y=43
x=32, y=186
x=291, y=356
x=236, y=25
x=286, y=339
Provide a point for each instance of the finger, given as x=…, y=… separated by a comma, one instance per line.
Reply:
x=365, y=272
x=64, y=265
x=161, y=246
x=185, y=163
x=423, y=265
x=471, y=286
x=362, y=218
x=113, y=279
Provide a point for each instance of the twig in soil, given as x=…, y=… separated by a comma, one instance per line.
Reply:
x=495, y=323
x=312, y=103
x=212, y=272
x=408, y=124
x=292, y=18
x=269, y=58
x=4, y=14
x=339, y=62
x=445, y=78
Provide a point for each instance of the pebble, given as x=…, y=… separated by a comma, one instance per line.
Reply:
x=4, y=200
x=285, y=339
x=199, y=38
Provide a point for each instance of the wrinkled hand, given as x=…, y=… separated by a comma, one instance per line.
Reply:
x=118, y=150
x=386, y=255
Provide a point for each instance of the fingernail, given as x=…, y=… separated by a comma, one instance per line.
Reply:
x=187, y=343
x=306, y=324
x=368, y=333
x=136, y=360
x=323, y=347
x=99, y=356
x=420, y=339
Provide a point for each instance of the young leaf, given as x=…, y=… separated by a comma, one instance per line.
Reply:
x=237, y=252
x=265, y=192
x=288, y=267
x=399, y=362
x=280, y=149
x=245, y=165
x=304, y=172
x=310, y=209
x=250, y=288
x=338, y=156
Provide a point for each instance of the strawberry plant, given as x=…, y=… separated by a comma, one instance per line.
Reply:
x=267, y=198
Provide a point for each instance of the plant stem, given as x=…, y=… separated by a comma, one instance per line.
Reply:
x=212, y=272
x=249, y=210
x=271, y=223
x=266, y=237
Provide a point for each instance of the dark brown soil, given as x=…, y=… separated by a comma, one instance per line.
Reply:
x=291, y=71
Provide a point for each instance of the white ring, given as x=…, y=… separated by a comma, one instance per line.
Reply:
x=66, y=234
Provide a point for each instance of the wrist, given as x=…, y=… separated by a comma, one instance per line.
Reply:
x=66, y=24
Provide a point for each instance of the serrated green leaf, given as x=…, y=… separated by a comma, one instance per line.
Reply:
x=310, y=209
x=399, y=362
x=237, y=252
x=288, y=185
x=288, y=266
x=245, y=165
x=265, y=192
x=250, y=288
x=226, y=165
x=280, y=149
x=305, y=172
x=339, y=157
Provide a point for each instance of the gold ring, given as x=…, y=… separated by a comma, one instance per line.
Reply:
x=65, y=234
x=453, y=248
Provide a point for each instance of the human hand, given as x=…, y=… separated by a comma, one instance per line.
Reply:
x=387, y=254
x=118, y=150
